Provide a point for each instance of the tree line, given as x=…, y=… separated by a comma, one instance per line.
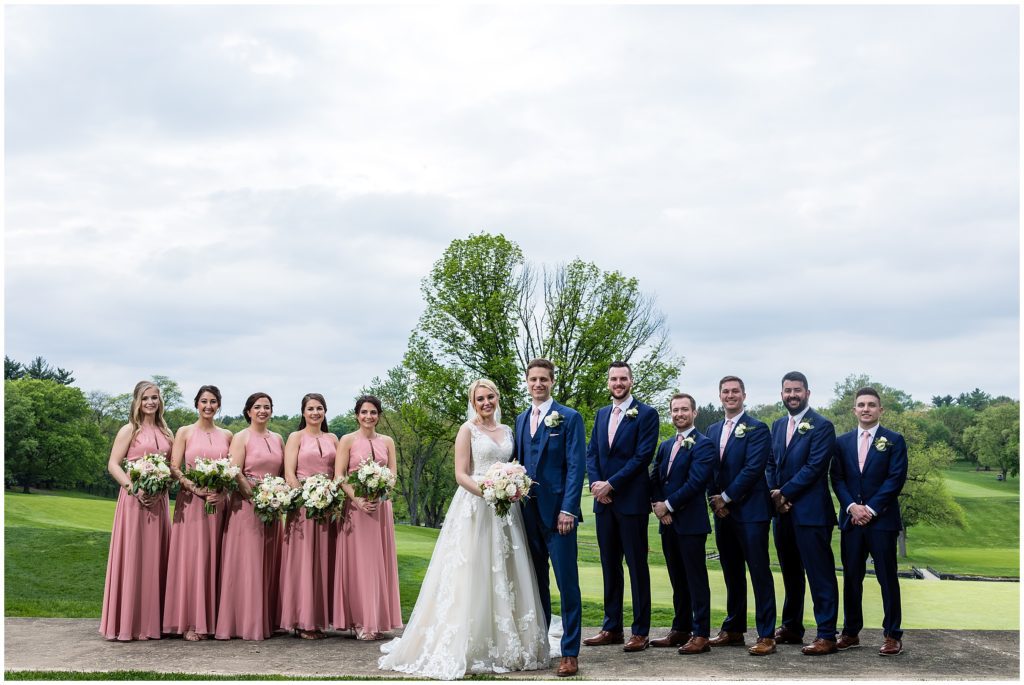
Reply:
x=487, y=312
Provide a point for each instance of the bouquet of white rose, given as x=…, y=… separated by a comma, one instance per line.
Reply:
x=213, y=474
x=505, y=483
x=322, y=498
x=372, y=480
x=273, y=498
x=149, y=473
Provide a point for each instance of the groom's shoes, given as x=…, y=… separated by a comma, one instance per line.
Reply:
x=637, y=643
x=673, y=639
x=604, y=638
x=567, y=666
x=695, y=645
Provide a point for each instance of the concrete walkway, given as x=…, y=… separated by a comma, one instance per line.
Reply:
x=60, y=644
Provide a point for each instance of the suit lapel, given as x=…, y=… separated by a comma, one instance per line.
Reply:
x=623, y=422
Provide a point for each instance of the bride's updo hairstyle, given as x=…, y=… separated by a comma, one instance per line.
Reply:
x=483, y=383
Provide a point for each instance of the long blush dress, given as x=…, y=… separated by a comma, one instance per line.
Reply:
x=137, y=561
x=251, y=552
x=367, y=557
x=190, y=602
x=307, y=550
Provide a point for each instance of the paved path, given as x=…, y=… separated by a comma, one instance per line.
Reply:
x=60, y=644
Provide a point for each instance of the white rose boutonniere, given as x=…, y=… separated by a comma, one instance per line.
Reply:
x=689, y=442
x=804, y=426
x=632, y=413
x=741, y=430
x=881, y=444
x=553, y=420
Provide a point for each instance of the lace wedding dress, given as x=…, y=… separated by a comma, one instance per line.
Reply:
x=478, y=609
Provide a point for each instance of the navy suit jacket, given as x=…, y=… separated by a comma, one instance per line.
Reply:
x=740, y=472
x=878, y=486
x=685, y=485
x=556, y=462
x=801, y=470
x=625, y=462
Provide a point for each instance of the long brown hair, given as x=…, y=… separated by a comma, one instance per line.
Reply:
x=135, y=413
x=302, y=414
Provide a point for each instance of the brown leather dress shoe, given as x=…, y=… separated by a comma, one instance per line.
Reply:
x=696, y=645
x=891, y=647
x=673, y=639
x=847, y=642
x=820, y=647
x=567, y=666
x=763, y=647
x=636, y=643
x=726, y=639
x=785, y=636
x=604, y=638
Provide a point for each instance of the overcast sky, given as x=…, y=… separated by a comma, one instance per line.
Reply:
x=250, y=196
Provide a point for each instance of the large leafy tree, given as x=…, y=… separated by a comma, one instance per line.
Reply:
x=50, y=437
x=38, y=368
x=995, y=438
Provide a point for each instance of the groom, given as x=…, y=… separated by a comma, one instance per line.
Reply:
x=550, y=443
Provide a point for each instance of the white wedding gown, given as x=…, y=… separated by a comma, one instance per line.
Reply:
x=478, y=609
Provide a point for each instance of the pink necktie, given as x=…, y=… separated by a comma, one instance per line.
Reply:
x=534, y=420
x=613, y=425
x=790, y=429
x=725, y=439
x=675, y=451
x=862, y=451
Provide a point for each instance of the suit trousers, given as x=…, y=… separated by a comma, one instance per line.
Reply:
x=618, y=536
x=546, y=543
x=746, y=544
x=807, y=549
x=855, y=544
x=687, y=568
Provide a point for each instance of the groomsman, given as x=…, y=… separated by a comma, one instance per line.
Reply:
x=742, y=507
x=682, y=473
x=622, y=444
x=869, y=470
x=804, y=516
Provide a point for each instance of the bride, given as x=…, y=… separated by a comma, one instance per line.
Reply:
x=479, y=608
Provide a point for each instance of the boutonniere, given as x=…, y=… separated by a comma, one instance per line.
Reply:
x=689, y=442
x=553, y=420
x=632, y=413
x=742, y=429
x=881, y=444
x=804, y=426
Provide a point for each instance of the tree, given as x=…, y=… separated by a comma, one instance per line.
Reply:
x=12, y=370
x=51, y=438
x=977, y=399
x=942, y=400
x=995, y=438
x=956, y=420
x=342, y=424
x=708, y=414
x=38, y=368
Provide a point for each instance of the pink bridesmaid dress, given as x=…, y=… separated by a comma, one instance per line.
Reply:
x=251, y=552
x=307, y=550
x=368, y=563
x=190, y=602
x=137, y=561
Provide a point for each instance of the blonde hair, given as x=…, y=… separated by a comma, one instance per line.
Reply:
x=483, y=383
x=135, y=413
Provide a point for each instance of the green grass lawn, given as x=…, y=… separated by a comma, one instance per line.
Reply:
x=56, y=549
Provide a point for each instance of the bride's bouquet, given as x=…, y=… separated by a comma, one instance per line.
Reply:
x=273, y=498
x=322, y=498
x=149, y=473
x=505, y=483
x=213, y=474
x=371, y=480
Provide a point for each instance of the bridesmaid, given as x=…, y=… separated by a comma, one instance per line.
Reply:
x=307, y=549
x=190, y=603
x=137, y=561
x=368, y=564
x=251, y=551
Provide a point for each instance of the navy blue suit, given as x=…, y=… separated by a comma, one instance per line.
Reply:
x=684, y=541
x=878, y=487
x=803, y=536
x=555, y=458
x=622, y=525
x=742, y=536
